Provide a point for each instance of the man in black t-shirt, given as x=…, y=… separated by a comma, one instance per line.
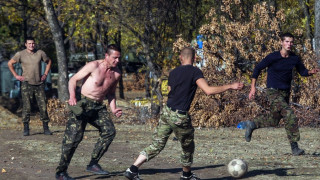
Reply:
x=182, y=83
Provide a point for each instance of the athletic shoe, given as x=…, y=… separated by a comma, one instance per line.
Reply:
x=192, y=177
x=96, y=169
x=63, y=176
x=131, y=175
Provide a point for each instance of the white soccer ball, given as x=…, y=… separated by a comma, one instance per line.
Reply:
x=237, y=168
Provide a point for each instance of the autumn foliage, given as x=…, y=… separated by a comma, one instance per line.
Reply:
x=234, y=43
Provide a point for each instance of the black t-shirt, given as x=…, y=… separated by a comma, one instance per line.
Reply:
x=182, y=81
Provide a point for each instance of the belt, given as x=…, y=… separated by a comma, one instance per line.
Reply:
x=92, y=100
x=178, y=111
x=287, y=90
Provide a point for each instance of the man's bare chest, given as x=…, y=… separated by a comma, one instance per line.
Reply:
x=104, y=79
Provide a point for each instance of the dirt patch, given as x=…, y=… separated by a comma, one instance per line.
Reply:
x=268, y=155
x=35, y=157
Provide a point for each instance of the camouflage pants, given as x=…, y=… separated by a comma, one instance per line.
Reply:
x=27, y=92
x=181, y=126
x=280, y=108
x=94, y=113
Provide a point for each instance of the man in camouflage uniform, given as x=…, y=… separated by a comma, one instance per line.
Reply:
x=182, y=82
x=100, y=80
x=280, y=65
x=32, y=82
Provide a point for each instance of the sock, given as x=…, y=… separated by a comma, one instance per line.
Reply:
x=92, y=162
x=134, y=169
x=186, y=174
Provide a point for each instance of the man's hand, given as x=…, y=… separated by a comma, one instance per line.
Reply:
x=20, y=78
x=252, y=93
x=117, y=112
x=237, y=85
x=43, y=77
x=313, y=71
x=72, y=101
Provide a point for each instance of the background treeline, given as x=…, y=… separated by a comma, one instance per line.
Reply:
x=236, y=35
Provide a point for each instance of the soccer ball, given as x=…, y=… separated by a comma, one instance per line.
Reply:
x=237, y=168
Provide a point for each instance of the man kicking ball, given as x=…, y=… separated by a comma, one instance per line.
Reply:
x=183, y=82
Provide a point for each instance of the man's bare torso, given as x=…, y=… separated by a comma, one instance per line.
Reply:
x=100, y=82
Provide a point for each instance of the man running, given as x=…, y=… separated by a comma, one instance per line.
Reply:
x=280, y=65
x=100, y=80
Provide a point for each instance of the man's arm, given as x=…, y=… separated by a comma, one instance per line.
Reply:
x=11, y=68
x=253, y=88
x=202, y=83
x=112, y=100
x=85, y=71
x=44, y=76
x=269, y=59
x=313, y=71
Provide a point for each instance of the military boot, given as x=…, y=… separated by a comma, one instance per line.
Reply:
x=46, y=130
x=250, y=126
x=296, y=151
x=26, y=129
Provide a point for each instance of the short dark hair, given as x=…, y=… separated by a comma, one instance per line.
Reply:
x=29, y=38
x=282, y=36
x=188, y=52
x=112, y=47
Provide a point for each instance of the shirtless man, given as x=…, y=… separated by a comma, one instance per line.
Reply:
x=100, y=80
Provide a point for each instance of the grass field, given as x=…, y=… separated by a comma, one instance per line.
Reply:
x=268, y=154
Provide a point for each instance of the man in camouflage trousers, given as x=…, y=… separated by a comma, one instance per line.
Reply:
x=32, y=82
x=183, y=82
x=280, y=65
x=100, y=80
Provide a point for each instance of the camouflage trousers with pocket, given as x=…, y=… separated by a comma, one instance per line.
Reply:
x=180, y=125
x=27, y=92
x=94, y=113
x=280, y=108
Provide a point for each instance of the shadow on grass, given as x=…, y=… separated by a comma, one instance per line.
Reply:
x=278, y=172
x=175, y=170
x=147, y=172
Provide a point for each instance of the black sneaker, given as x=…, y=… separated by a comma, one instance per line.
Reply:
x=63, y=176
x=131, y=175
x=96, y=169
x=192, y=177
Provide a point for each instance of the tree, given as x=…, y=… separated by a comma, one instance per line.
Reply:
x=306, y=12
x=60, y=50
x=155, y=24
x=235, y=40
x=317, y=29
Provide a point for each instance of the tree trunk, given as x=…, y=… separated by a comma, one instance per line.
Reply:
x=193, y=20
x=150, y=28
x=147, y=84
x=25, y=20
x=317, y=29
x=155, y=76
x=118, y=42
x=61, y=53
x=306, y=13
